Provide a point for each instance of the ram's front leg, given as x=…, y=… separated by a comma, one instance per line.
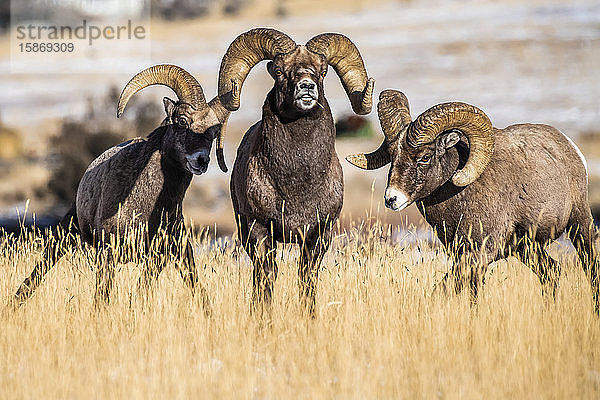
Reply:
x=264, y=276
x=311, y=254
x=470, y=264
x=263, y=252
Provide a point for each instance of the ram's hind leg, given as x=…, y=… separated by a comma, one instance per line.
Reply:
x=534, y=255
x=582, y=234
x=547, y=269
x=152, y=266
x=56, y=247
x=105, y=272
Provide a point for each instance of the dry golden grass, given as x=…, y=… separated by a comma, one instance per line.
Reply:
x=379, y=331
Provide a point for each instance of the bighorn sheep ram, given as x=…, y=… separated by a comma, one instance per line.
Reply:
x=494, y=191
x=287, y=183
x=143, y=180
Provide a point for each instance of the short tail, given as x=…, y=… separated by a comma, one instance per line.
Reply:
x=69, y=222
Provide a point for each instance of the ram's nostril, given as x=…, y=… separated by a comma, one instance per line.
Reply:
x=307, y=85
x=203, y=159
x=389, y=201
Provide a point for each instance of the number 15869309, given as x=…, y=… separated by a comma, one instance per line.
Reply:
x=46, y=47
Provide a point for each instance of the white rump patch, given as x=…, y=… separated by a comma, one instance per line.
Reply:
x=581, y=156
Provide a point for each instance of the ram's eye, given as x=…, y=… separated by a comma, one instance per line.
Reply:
x=324, y=73
x=278, y=72
x=425, y=159
x=183, y=122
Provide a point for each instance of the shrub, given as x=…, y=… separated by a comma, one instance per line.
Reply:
x=353, y=126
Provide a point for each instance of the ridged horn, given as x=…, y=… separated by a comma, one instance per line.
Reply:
x=185, y=86
x=247, y=50
x=222, y=115
x=393, y=112
x=464, y=117
x=394, y=117
x=347, y=62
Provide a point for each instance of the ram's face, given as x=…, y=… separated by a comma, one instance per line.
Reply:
x=191, y=135
x=416, y=172
x=298, y=79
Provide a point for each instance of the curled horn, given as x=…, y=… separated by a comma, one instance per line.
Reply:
x=186, y=87
x=347, y=62
x=247, y=50
x=394, y=117
x=464, y=117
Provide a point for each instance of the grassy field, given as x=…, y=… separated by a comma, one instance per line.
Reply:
x=379, y=331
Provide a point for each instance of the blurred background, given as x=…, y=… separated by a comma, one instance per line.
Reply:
x=518, y=60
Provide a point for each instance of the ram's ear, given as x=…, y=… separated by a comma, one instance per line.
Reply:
x=169, y=106
x=448, y=140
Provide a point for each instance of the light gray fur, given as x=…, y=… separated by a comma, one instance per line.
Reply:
x=534, y=189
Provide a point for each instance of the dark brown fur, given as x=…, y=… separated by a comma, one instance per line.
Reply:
x=287, y=183
x=534, y=189
x=142, y=178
